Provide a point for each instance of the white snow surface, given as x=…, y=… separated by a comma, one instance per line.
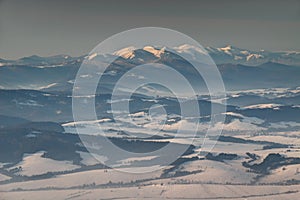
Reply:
x=35, y=164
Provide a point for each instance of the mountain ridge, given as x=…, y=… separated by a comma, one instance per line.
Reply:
x=57, y=73
x=221, y=55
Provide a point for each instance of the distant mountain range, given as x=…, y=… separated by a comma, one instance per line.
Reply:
x=240, y=68
x=227, y=54
x=230, y=54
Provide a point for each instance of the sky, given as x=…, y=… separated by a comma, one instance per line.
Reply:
x=73, y=27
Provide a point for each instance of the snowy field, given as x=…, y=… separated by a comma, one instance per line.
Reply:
x=178, y=191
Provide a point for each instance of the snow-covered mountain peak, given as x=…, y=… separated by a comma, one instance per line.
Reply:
x=155, y=51
x=226, y=48
x=231, y=50
x=92, y=56
x=127, y=53
x=187, y=48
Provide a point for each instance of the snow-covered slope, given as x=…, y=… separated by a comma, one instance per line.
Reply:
x=35, y=164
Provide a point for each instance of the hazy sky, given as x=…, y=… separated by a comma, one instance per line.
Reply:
x=74, y=27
